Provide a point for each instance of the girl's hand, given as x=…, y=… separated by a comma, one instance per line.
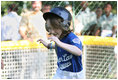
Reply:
x=41, y=40
x=54, y=38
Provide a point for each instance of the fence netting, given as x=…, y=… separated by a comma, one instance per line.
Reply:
x=26, y=60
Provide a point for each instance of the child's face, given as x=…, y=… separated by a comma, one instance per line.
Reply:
x=53, y=31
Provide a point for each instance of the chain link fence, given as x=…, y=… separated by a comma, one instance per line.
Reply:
x=25, y=60
x=75, y=4
x=76, y=8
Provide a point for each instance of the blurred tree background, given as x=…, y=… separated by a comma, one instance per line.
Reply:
x=76, y=7
x=5, y=5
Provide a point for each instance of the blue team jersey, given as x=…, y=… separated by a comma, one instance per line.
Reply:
x=66, y=60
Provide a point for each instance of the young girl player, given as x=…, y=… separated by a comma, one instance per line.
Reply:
x=67, y=45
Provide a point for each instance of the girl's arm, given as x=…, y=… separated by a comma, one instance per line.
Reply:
x=48, y=45
x=70, y=48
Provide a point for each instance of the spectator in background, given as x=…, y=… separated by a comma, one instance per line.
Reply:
x=76, y=26
x=10, y=24
x=109, y=23
x=46, y=8
x=10, y=30
x=95, y=23
x=84, y=16
x=32, y=26
x=99, y=12
x=115, y=21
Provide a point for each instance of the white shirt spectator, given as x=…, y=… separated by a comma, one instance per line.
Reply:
x=10, y=27
x=107, y=25
x=84, y=18
x=78, y=28
x=34, y=25
x=94, y=19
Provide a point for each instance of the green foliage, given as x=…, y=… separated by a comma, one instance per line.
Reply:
x=76, y=5
x=5, y=5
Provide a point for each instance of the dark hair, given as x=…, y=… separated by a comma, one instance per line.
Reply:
x=107, y=4
x=47, y=5
x=98, y=7
x=13, y=7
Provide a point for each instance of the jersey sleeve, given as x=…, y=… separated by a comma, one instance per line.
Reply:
x=76, y=42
